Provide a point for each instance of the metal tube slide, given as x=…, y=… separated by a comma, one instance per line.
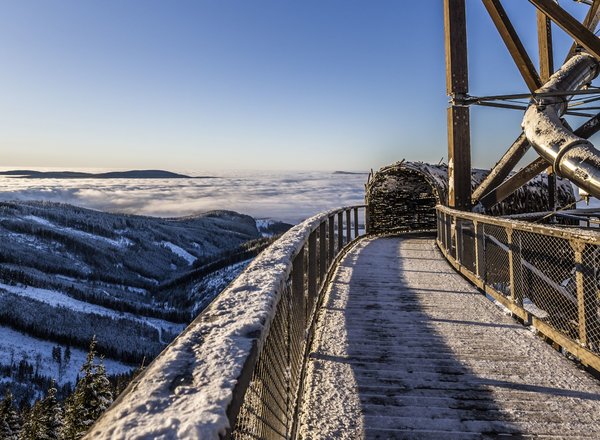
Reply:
x=572, y=156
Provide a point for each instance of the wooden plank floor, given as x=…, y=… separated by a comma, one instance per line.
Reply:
x=406, y=348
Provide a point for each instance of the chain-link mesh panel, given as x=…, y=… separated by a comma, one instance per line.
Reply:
x=467, y=242
x=589, y=284
x=442, y=229
x=553, y=275
x=447, y=231
x=518, y=286
x=497, y=273
x=479, y=250
x=549, y=277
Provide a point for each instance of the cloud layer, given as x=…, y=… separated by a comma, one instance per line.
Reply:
x=288, y=197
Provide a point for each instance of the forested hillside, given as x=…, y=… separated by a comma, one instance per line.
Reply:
x=68, y=274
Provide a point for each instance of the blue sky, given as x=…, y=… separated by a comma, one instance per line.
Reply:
x=245, y=84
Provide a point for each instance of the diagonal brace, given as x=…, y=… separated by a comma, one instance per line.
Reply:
x=513, y=43
x=525, y=174
x=581, y=34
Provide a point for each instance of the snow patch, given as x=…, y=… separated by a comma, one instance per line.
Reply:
x=533, y=309
x=15, y=346
x=58, y=299
x=180, y=252
x=263, y=226
x=120, y=242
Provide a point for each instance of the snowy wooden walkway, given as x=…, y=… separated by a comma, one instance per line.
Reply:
x=406, y=348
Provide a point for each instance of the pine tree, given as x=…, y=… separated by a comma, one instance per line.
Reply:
x=91, y=398
x=33, y=426
x=67, y=355
x=52, y=418
x=44, y=421
x=70, y=426
x=10, y=422
x=102, y=389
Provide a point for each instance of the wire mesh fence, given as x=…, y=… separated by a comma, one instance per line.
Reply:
x=466, y=235
x=268, y=405
x=550, y=273
x=549, y=277
x=496, y=256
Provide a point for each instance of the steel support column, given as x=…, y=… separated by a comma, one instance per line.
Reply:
x=457, y=86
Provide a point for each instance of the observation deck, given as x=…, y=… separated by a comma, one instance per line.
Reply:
x=331, y=333
x=407, y=348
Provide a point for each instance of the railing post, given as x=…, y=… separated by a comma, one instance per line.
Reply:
x=331, y=240
x=348, y=226
x=296, y=327
x=312, y=273
x=298, y=278
x=587, y=301
x=448, y=227
x=438, y=217
x=340, y=230
x=444, y=239
x=451, y=237
x=578, y=247
x=511, y=271
x=479, y=250
x=355, y=222
x=514, y=267
x=459, y=239
x=322, y=252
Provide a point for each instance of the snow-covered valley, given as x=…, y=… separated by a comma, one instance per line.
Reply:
x=69, y=274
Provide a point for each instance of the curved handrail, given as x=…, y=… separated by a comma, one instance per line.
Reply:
x=196, y=387
x=546, y=275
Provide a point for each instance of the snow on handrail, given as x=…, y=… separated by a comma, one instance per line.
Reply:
x=187, y=390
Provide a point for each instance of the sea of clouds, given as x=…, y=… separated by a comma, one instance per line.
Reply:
x=285, y=196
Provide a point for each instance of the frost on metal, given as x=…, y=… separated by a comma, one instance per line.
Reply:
x=403, y=196
x=572, y=156
x=186, y=391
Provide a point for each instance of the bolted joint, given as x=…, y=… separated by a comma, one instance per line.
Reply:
x=460, y=99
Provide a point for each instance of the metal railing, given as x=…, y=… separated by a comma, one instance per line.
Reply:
x=265, y=402
x=547, y=276
x=236, y=371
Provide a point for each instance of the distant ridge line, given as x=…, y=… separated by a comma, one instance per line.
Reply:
x=350, y=172
x=132, y=174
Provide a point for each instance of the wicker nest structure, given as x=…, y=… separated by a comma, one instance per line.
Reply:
x=403, y=196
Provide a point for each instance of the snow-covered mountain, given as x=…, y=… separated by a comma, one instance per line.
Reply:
x=68, y=273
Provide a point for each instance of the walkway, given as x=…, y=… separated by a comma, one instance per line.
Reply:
x=406, y=348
